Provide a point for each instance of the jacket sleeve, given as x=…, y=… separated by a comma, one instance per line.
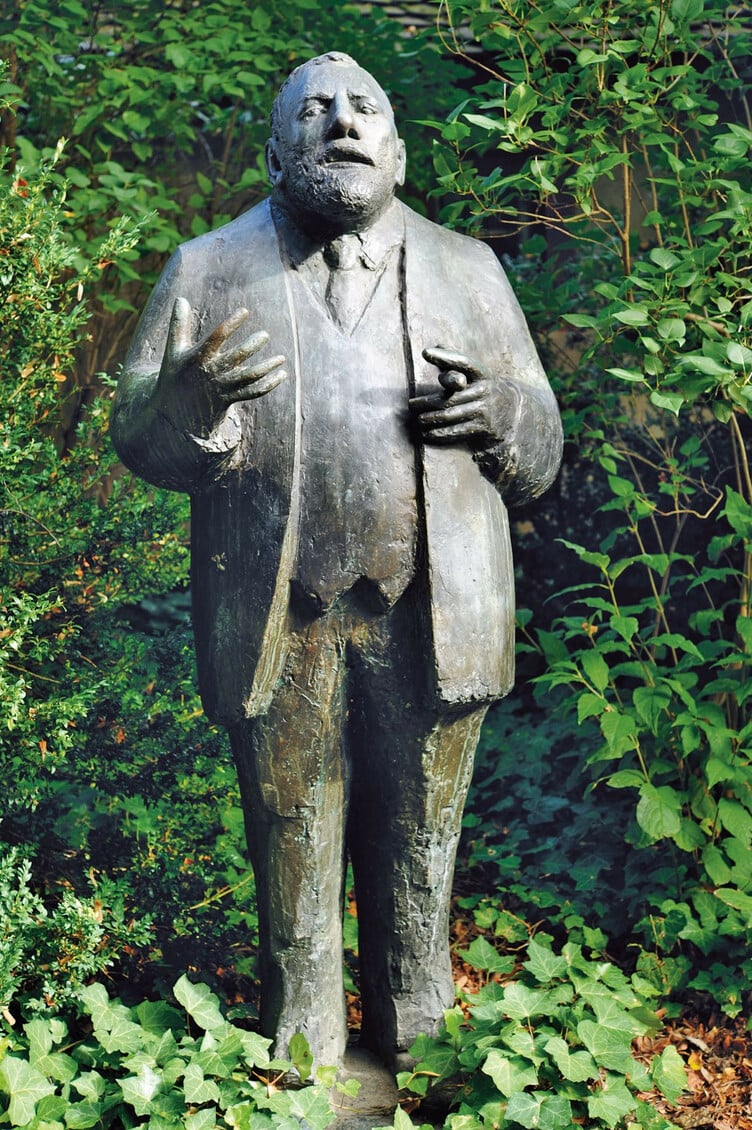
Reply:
x=524, y=458
x=169, y=450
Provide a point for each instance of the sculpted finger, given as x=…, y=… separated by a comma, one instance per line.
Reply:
x=247, y=349
x=452, y=380
x=452, y=434
x=426, y=403
x=219, y=335
x=447, y=416
x=448, y=359
x=257, y=388
x=242, y=376
x=179, y=332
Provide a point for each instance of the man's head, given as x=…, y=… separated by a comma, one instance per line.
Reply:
x=334, y=157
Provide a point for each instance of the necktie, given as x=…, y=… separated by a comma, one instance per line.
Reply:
x=344, y=288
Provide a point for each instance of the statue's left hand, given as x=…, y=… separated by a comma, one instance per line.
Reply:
x=470, y=407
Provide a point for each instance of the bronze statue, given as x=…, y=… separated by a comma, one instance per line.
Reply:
x=352, y=577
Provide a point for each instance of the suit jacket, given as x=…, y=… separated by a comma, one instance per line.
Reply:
x=244, y=476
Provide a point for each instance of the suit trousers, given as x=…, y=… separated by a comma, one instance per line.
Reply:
x=355, y=757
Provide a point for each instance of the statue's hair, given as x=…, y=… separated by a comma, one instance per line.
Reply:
x=338, y=57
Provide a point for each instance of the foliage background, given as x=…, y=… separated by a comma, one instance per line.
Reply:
x=611, y=142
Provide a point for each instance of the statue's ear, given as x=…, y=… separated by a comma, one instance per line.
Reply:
x=273, y=166
x=401, y=159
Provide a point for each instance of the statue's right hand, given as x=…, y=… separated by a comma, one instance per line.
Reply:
x=224, y=375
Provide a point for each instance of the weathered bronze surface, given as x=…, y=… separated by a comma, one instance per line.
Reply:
x=349, y=464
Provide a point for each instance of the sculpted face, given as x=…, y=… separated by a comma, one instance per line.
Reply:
x=335, y=158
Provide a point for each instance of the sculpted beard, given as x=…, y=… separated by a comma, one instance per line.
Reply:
x=335, y=191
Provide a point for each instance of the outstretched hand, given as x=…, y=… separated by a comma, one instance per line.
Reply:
x=470, y=405
x=224, y=375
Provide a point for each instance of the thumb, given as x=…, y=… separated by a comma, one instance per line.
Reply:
x=179, y=333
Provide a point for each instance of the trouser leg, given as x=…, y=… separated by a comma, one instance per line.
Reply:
x=412, y=766
x=294, y=781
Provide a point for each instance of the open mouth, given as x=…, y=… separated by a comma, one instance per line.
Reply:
x=345, y=155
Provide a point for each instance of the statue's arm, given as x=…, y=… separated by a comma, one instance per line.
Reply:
x=174, y=421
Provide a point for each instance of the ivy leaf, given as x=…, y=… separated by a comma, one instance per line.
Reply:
x=200, y=1003
x=482, y=955
x=609, y=1047
x=82, y=1116
x=612, y=1103
x=201, y=1120
x=139, y=1090
x=543, y=963
x=197, y=1088
x=311, y=1105
x=539, y=1111
x=112, y=1022
x=520, y=1003
x=159, y=1017
x=509, y=1073
x=577, y=1067
x=26, y=1086
x=669, y=1074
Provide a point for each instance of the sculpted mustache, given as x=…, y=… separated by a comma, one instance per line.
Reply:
x=341, y=152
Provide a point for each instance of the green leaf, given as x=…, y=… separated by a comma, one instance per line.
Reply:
x=589, y=706
x=740, y=901
x=669, y=1074
x=197, y=1088
x=739, y=355
x=716, y=865
x=736, y=820
x=635, y=376
x=625, y=626
x=596, y=669
x=26, y=1086
x=301, y=1056
x=543, y=963
x=311, y=1106
x=651, y=704
x=159, y=1017
x=633, y=316
x=612, y=1103
x=664, y=258
x=738, y=513
x=659, y=811
x=672, y=329
x=520, y=1003
x=509, y=1073
x=482, y=955
x=139, y=1090
x=610, y=1047
x=670, y=401
x=626, y=779
x=682, y=11
x=200, y=1003
x=539, y=1111
x=577, y=1067
x=201, y=1120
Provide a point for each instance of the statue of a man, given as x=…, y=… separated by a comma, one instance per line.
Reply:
x=349, y=464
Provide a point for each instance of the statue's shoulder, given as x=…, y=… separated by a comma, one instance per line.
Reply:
x=426, y=231
x=252, y=228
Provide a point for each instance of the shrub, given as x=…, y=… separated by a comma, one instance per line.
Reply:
x=628, y=133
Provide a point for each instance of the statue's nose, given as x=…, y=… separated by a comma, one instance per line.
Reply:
x=342, y=118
